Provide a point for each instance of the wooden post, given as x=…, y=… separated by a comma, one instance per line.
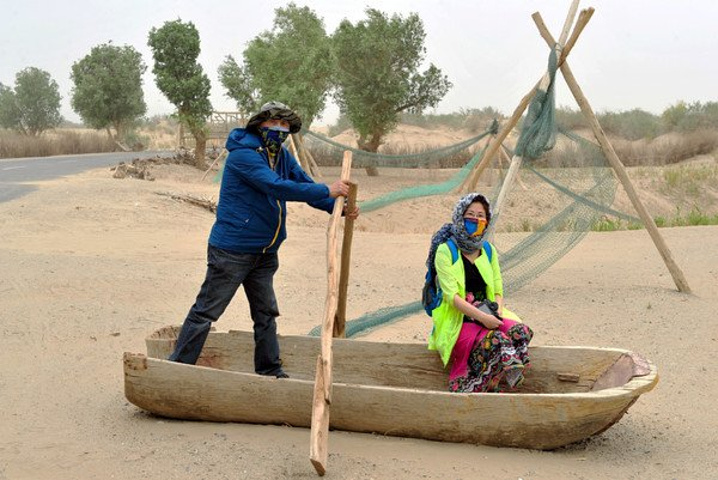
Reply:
x=340, y=319
x=221, y=156
x=293, y=150
x=505, y=156
x=312, y=166
x=517, y=160
x=315, y=166
x=180, y=135
x=618, y=167
x=312, y=163
x=318, y=451
x=472, y=179
x=486, y=146
x=301, y=154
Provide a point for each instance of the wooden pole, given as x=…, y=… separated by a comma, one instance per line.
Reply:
x=220, y=157
x=472, y=179
x=517, y=160
x=505, y=156
x=618, y=167
x=293, y=150
x=340, y=319
x=180, y=135
x=301, y=155
x=318, y=451
x=312, y=166
x=489, y=139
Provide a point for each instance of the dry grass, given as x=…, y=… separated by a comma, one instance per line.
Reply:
x=69, y=141
x=667, y=150
x=59, y=142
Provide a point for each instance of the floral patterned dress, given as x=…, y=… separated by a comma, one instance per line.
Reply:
x=487, y=360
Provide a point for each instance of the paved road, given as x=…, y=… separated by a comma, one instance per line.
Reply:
x=16, y=173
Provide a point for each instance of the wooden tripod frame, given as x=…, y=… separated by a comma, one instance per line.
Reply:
x=564, y=46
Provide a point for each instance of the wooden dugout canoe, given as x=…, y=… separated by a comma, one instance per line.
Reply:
x=398, y=389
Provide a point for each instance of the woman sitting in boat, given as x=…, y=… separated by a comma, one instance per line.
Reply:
x=485, y=344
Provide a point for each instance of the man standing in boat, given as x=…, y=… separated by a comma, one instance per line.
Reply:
x=260, y=176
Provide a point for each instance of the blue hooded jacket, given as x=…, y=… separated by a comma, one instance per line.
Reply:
x=251, y=214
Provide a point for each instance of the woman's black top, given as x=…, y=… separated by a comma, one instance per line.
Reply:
x=474, y=281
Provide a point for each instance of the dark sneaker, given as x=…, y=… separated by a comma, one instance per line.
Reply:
x=282, y=375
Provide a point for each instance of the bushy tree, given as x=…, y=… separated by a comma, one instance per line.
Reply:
x=378, y=77
x=686, y=117
x=291, y=63
x=674, y=115
x=34, y=105
x=238, y=82
x=175, y=48
x=108, y=88
x=9, y=113
x=631, y=124
x=570, y=118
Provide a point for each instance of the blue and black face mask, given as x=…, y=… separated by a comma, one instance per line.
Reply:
x=273, y=137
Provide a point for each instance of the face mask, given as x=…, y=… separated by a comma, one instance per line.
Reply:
x=273, y=137
x=475, y=227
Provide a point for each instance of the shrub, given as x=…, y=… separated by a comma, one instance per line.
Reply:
x=631, y=125
x=570, y=119
x=689, y=145
x=683, y=117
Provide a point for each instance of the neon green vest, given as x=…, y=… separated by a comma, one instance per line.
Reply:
x=447, y=318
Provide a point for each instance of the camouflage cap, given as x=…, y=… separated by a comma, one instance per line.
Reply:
x=278, y=111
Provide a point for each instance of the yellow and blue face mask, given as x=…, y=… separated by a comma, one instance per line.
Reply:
x=475, y=227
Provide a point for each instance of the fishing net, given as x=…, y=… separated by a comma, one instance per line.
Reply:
x=328, y=151
x=567, y=178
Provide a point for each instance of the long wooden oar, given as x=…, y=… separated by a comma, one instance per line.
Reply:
x=340, y=319
x=318, y=451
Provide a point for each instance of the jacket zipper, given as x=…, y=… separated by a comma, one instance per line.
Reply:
x=279, y=204
x=279, y=226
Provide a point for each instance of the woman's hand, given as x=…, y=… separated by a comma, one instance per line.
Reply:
x=500, y=300
x=490, y=321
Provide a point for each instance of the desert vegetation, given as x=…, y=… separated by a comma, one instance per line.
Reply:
x=374, y=96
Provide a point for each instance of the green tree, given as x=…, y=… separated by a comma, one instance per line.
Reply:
x=685, y=117
x=674, y=115
x=34, y=105
x=9, y=113
x=108, y=88
x=238, y=82
x=570, y=118
x=631, y=124
x=292, y=62
x=175, y=48
x=378, y=77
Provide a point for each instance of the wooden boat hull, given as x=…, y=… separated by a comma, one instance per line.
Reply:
x=391, y=389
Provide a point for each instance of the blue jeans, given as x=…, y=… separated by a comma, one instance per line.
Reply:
x=226, y=271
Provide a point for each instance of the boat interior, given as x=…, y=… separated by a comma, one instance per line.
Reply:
x=409, y=365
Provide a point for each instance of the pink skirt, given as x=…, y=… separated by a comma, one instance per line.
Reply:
x=485, y=360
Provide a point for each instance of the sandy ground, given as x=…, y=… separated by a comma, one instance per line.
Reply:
x=91, y=265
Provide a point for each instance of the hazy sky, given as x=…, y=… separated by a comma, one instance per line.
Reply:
x=645, y=54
